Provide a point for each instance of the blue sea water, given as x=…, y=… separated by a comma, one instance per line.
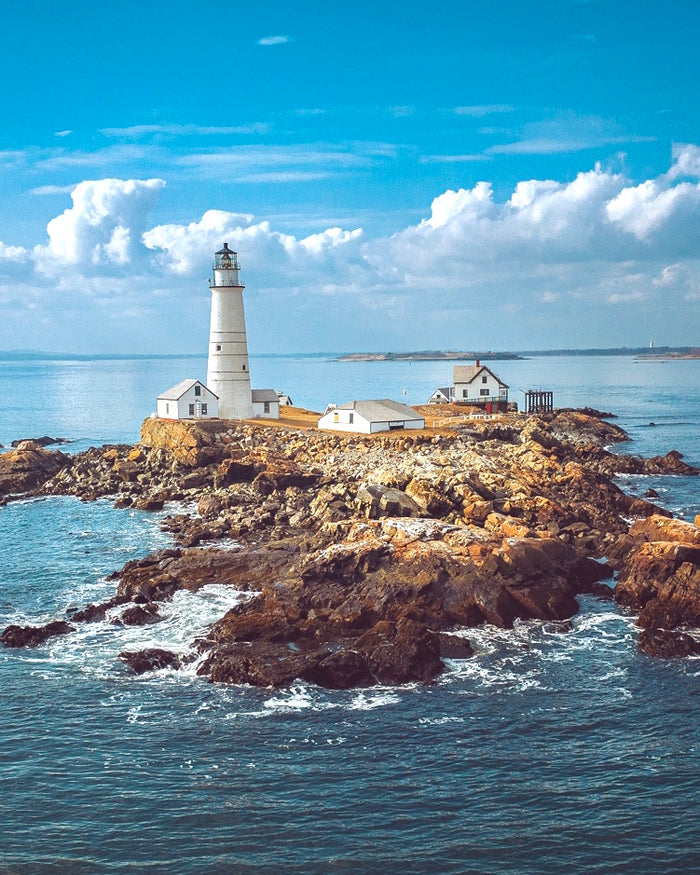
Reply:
x=546, y=752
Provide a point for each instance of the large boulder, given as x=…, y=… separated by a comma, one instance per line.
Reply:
x=28, y=467
x=660, y=577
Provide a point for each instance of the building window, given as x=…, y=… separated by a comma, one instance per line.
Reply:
x=465, y=393
x=167, y=408
x=191, y=409
x=335, y=417
x=266, y=406
x=351, y=418
x=484, y=392
x=484, y=379
x=197, y=390
x=204, y=409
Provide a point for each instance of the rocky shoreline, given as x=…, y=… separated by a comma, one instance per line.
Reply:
x=367, y=558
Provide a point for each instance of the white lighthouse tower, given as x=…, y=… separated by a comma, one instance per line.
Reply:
x=228, y=374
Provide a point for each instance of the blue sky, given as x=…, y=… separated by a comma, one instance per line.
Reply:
x=394, y=175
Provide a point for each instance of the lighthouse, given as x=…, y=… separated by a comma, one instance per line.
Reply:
x=228, y=374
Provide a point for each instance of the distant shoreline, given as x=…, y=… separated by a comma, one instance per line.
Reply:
x=662, y=353
x=641, y=353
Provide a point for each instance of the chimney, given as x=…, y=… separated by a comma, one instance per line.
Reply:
x=478, y=363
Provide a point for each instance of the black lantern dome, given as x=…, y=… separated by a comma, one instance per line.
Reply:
x=225, y=259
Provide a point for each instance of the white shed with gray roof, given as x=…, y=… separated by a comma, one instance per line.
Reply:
x=189, y=399
x=369, y=417
x=266, y=403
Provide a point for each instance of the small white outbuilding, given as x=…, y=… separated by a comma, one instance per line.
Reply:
x=369, y=417
x=189, y=399
x=266, y=403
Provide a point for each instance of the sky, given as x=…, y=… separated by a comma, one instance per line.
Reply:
x=394, y=175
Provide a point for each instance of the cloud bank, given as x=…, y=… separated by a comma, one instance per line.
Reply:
x=594, y=261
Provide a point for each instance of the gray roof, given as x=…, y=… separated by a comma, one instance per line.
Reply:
x=467, y=373
x=177, y=391
x=445, y=390
x=384, y=410
x=261, y=395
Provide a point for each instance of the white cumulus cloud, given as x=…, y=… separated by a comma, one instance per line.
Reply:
x=103, y=225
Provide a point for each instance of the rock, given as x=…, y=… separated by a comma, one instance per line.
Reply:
x=454, y=646
x=44, y=441
x=29, y=466
x=139, y=616
x=32, y=636
x=661, y=528
x=93, y=612
x=150, y=659
x=340, y=670
x=376, y=500
x=397, y=653
x=209, y=506
x=149, y=503
x=234, y=470
x=671, y=463
x=661, y=579
x=667, y=644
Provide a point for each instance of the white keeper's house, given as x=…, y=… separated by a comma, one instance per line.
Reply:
x=189, y=399
x=369, y=417
x=474, y=385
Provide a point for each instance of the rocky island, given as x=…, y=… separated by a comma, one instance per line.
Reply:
x=366, y=559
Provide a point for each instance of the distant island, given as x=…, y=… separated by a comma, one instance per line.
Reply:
x=643, y=352
x=431, y=355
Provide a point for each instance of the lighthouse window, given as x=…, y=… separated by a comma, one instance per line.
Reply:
x=244, y=367
x=218, y=347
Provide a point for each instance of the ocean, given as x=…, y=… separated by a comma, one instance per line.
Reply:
x=547, y=752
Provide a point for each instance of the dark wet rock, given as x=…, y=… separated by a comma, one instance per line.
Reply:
x=32, y=636
x=149, y=503
x=600, y=590
x=139, y=616
x=401, y=652
x=150, y=659
x=44, y=441
x=454, y=646
x=92, y=612
x=668, y=644
x=340, y=670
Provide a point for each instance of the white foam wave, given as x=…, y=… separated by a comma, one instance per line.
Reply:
x=94, y=647
x=368, y=701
